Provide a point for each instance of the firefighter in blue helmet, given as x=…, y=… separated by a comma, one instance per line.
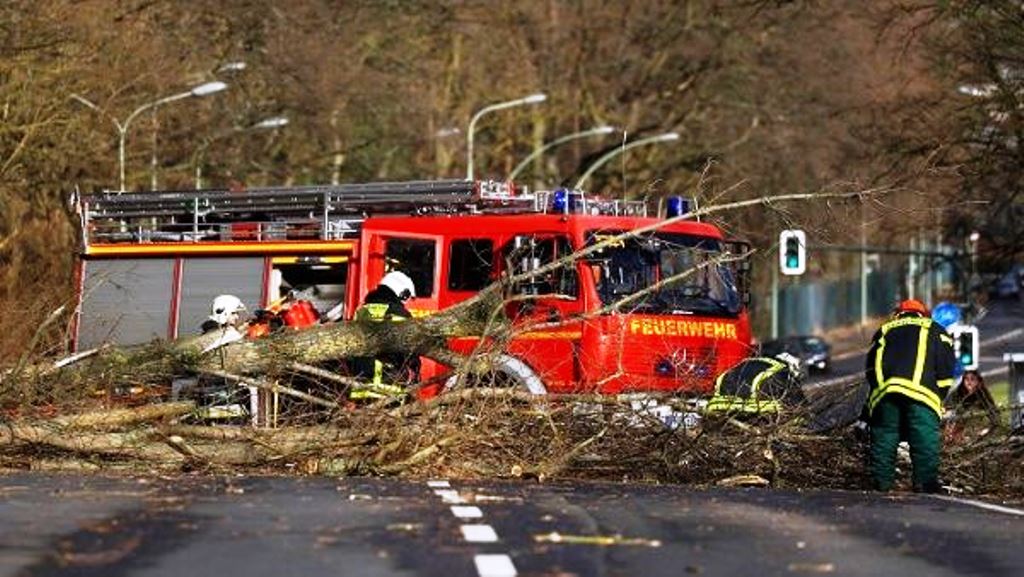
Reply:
x=909, y=367
x=758, y=386
x=386, y=375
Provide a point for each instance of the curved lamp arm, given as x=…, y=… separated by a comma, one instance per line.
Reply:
x=600, y=130
x=200, y=153
x=666, y=137
x=531, y=99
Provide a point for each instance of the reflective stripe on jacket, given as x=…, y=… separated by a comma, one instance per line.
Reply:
x=375, y=390
x=738, y=390
x=910, y=356
x=382, y=372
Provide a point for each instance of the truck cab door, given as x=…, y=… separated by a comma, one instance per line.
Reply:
x=545, y=307
x=414, y=254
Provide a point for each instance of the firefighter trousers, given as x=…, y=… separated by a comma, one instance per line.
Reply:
x=897, y=417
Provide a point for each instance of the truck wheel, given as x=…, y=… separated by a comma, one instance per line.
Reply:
x=509, y=372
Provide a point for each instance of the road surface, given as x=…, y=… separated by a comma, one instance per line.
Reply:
x=84, y=526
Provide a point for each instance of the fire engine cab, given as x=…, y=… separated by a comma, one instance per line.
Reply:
x=622, y=318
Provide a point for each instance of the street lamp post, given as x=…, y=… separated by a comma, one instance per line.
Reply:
x=600, y=130
x=266, y=124
x=531, y=99
x=122, y=127
x=973, y=283
x=444, y=151
x=973, y=238
x=666, y=137
x=236, y=66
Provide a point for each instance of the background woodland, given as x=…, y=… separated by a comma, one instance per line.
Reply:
x=921, y=99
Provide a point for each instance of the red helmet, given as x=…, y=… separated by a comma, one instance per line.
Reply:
x=912, y=306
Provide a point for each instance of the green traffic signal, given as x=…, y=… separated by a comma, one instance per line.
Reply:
x=966, y=349
x=966, y=346
x=792, y=252
x=792, y=256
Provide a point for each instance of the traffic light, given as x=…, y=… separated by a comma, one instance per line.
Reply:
x=792, y=252
x=966, y=346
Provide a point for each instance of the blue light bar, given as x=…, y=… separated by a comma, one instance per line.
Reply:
x=560, y=201
x=677, y=206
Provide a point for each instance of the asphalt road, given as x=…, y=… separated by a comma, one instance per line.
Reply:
x=84, y=526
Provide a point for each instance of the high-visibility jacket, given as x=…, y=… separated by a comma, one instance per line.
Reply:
x=910, y=356
x=385, y=375
x=758, y=385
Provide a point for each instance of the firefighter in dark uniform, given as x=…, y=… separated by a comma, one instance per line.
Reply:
x=758, y=386
x=387, y=375
x=910, y=367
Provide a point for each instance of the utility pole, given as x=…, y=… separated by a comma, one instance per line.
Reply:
x=339, y=158
x=863, y=270
x=775, y=301
x=927, y=266
x=912, y=269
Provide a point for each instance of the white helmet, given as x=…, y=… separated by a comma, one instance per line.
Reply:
x=225, y=307
x=400, y=284
x=792, y=362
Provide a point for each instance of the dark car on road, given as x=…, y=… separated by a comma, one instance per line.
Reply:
x=814, y=353
x=1008, y=285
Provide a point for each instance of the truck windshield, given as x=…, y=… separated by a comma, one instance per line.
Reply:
x=650, y=271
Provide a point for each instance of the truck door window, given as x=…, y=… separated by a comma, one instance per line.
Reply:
x=470, y=264
x=416, y=258
x=125, y=301
x=202, y=279
x=524, y=254
x=319, y=280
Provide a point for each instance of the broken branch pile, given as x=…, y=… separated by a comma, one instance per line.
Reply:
x=498, y=433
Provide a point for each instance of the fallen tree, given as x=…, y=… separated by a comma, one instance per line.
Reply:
x=467, y=432
x=480, y=316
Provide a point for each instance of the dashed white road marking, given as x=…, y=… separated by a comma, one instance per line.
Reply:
x=467, y=512
x=479, y=533
x=450, y=496
x=981, y=505
x=490, y=565
x=495, y=566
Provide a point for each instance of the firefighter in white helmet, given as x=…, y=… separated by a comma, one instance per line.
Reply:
x=386, y=375
x=224, y=311
x=225, y=319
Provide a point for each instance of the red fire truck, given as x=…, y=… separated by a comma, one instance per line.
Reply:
x=152, y=262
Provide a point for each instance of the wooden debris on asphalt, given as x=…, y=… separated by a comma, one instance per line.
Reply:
x=600, y=540
x=744, y=481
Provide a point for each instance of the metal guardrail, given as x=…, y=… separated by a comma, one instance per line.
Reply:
x=1015, y=400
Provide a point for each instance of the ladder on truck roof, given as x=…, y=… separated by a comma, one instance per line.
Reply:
x=328, y=212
